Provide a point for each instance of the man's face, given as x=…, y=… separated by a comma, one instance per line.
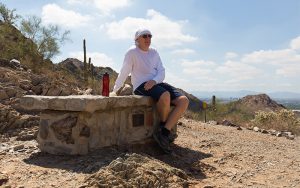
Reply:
x=145, y=41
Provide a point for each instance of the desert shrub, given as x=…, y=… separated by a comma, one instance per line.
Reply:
x=221, y=111
x=228, y=111
x=281, y=120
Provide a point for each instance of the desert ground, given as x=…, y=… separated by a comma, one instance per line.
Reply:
x=204, y=155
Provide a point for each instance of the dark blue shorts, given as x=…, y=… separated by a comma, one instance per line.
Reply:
x=157, y=90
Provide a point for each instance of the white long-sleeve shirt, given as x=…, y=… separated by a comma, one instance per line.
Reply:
x=142, y=65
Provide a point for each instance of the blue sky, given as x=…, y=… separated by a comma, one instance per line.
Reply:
x=205, y=45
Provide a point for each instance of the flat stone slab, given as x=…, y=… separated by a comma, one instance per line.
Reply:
x=80, y=103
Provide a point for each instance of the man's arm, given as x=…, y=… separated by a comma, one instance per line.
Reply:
x=125, y=70
x=160, y=76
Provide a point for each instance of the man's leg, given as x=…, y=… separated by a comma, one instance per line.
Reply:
x=163, y=106
x=161, y=93
x=181, y=104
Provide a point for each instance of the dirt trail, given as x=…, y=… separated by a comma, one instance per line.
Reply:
x=204, y=156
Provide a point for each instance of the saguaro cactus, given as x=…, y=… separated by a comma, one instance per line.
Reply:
x=84, y=61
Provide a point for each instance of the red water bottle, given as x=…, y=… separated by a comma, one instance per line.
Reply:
x=105, y=85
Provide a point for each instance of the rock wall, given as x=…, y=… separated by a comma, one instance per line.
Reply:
x=79, y=124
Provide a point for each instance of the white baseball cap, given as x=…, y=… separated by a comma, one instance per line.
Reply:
x=141, y=32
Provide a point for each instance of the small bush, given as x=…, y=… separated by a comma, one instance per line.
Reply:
x=283, y=120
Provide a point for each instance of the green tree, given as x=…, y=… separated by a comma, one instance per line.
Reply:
x=47, y=38
x=8, y=16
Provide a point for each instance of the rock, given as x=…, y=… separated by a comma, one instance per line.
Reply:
x=36, y=80
x=88, y=91
x=15, y=63
x=3, y=179
x=272, y=132
x=38, y=89
x=26, y=137
x=3, y=94
x=288, y=135
x=30, y=92
x=18, y=147
x=25, y=85
x=213, y=122
x=279, y=134
x=226, y=122
x=52, y=91
x=208, y=186
x=264, y=131
x=256, y=129
x=126, y=90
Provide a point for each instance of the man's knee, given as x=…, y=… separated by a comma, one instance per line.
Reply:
x=165, y=98
x=182, y=101
x=185, y=101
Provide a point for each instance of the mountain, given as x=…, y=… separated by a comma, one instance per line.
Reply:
x=254, y=103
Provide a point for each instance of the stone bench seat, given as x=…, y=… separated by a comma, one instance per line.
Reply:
x=81, y=123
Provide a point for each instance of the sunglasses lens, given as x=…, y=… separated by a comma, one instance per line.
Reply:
x=145, y=36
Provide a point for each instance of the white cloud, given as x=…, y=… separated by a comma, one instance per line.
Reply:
x=200, y=63
x=295, y=44
x=274, y=57
x=260, y=70
x=289, y=71
x=198, y=69
x=284, y=61
x=176, y=80
x=238, y=70
x=53, y=14
x=105, y=6
x=98, y=59
x=166, y=33
x=79, y=1
x=184, y=51
x=282, y=57
x=231, y=55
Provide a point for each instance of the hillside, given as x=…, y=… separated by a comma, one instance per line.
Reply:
x=242, y=111
x=13, y=45
x=254, y=103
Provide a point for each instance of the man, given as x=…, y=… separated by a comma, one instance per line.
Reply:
x=147, y=75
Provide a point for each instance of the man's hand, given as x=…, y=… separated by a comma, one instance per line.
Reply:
x=148, y=85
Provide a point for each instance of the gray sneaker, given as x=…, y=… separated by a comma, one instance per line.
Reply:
x=172, y=137
x=163, y=141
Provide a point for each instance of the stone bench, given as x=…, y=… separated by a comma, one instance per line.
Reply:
x=81, y=123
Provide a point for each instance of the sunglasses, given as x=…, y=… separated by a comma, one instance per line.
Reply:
x=145, y=36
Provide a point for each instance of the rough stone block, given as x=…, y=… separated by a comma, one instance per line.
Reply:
x=79, y=124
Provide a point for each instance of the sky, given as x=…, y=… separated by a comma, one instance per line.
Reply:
x=205, y=45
